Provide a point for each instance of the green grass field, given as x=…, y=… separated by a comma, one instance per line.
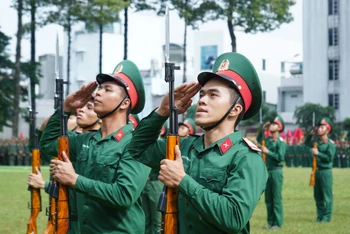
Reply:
x=299, y=206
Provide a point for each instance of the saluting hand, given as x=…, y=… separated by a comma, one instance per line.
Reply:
x=63, y=171
x=172, y=172
x=79, y=98
x=183, y=95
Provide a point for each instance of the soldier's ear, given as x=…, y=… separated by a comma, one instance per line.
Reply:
x=236, y=110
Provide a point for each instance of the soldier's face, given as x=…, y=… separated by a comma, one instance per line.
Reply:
x=274, y=127
x=183, y=131
x=86, y=115
x=322, y=129
x=108, y=97
x=213, y=103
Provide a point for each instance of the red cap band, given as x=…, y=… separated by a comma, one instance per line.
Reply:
x=131, y=88
x=327, y=125
x=241, y=85
x=189, y=127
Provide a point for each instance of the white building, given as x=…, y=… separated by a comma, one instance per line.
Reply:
x=326, y=48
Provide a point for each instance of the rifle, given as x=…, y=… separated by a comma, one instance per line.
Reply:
x=314, y=167
x=262, y=132
x=263, y=154
x=168, y=199
x=59, y=200
x=35, y=198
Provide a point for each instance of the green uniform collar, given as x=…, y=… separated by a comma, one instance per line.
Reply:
x=117, y=135
x=224, y=144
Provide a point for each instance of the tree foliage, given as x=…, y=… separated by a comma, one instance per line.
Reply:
x=268, y=114
x=304, y=115
x=252, y=16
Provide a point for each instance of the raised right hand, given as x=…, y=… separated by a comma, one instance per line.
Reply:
x=79, y=98
x=182, y=97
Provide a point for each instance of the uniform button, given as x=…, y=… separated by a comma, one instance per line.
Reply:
x=97, y=146
x=200, y=156
x=92, y=163
x=105, y=163
x=209, y=177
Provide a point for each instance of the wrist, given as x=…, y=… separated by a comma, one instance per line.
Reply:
x=74, y=180
x=162, y=112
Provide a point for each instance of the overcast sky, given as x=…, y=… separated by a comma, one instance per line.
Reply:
x=46, y=36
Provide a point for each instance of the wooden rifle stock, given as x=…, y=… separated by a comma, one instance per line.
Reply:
x=263, y=154
x=35, y=201
x=52, y=209
x=62, y=202
x=314, y=167
x=170, y=215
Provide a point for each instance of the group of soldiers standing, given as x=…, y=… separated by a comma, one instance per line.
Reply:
x=301, y=156
x=15, y=151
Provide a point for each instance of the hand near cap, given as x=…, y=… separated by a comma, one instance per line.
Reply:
x=80, y=97
x=182, y=98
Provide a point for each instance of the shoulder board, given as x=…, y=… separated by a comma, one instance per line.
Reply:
x=281, y=139
x=331, y=141
x=251, y=144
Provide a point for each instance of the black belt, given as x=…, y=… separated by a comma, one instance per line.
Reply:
x=320, y=168
x=274, y=168
x=152, y=178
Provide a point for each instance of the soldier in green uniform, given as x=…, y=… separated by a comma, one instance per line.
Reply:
x=2, y=152
x=107, y=180
x=275, y=150
x=325, y=153
x=187, y=128
x=12, y=151
x=220, y=176
x=150, y=197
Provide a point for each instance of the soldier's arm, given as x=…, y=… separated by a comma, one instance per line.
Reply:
x=131, y=177
x=231, y=210
x=145, y=146
x=280, y=152
x=49, y=139
x=328, y=155
x=309, y=140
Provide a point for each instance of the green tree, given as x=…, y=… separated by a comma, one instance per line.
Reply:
x=100, y=13
x=304, y=115
x=346, y=124
x=6, y=83
x=268, y=114
x=252, y=16
x=65, y=13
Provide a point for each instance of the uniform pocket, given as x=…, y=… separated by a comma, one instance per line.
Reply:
x=213, y=178
x=107, y=167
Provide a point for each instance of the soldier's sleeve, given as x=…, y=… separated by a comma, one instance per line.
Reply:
x=231, y=210
x=49, y=139
x=309, y=140
x=145, y=146
x=131, y=178
x=260, y=135
x=328, y=155
x=279, y=154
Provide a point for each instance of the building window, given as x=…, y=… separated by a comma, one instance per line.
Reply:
x=79, y=56
x=282, y=67
x=264, y=64
x=333, y=70
x=294, y=95
x=333, y=100
x=333, y=36
x=333, y=7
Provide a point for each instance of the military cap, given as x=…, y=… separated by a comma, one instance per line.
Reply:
x=326, y=121
x=189, y=123
x=238, y=70
x=280, y=122
x=127, y=74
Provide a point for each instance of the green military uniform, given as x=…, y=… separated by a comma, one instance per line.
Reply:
x=323, y=180
x=12, y=152
x=274, y=163
x=223, y=181
x=150, y=197
x=27, y=153
x=110, y=182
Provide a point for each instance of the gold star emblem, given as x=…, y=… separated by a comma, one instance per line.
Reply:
x=224, y=65
x=119, y=69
